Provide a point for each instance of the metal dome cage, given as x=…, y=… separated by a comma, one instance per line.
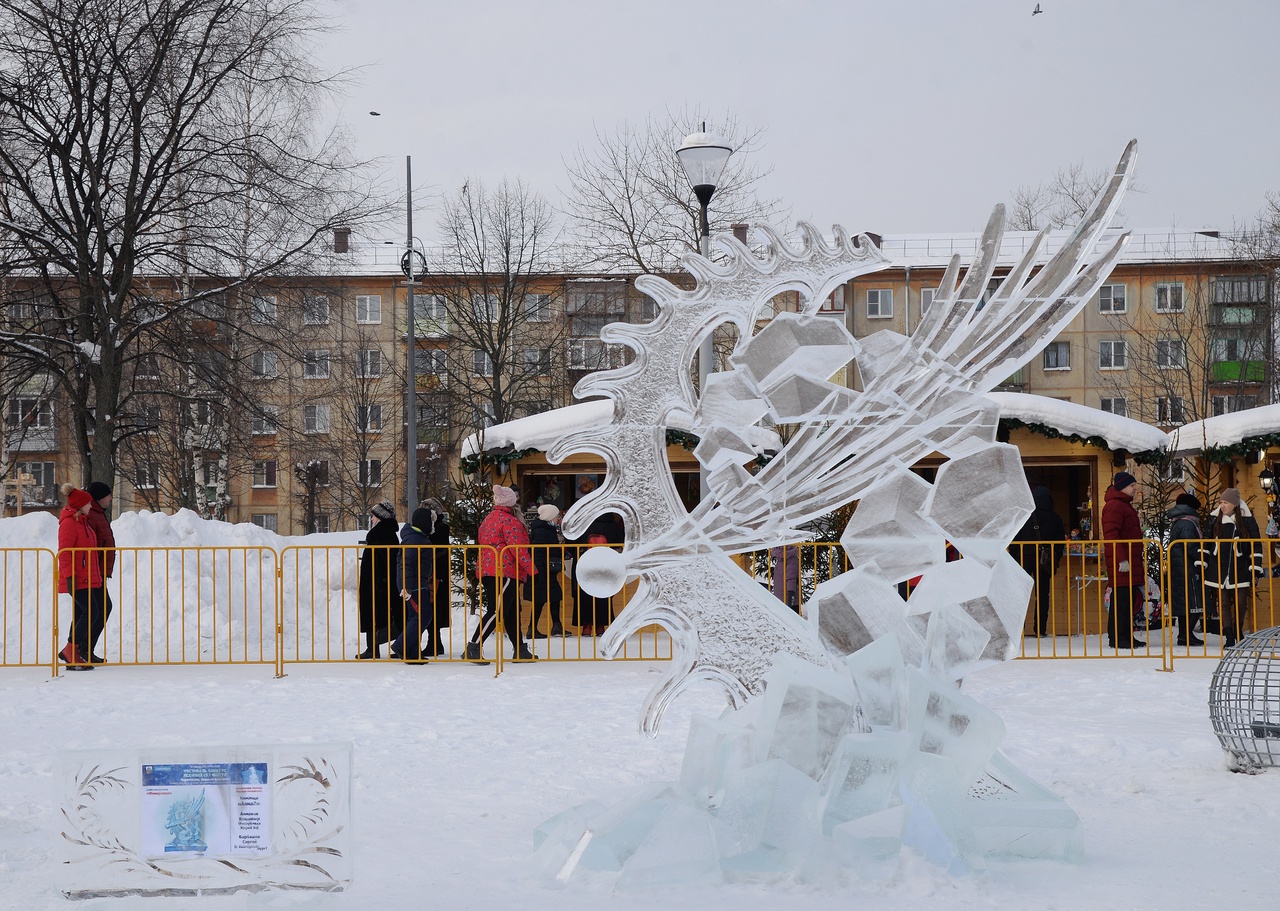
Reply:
x=1244, y=700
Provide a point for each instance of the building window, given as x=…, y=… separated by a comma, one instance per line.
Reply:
x=1229, y=404
x=834, y=302
x=1057, y=356
x=593, y=354
x=264, y=473
x=537, y=308
x=432, y=367
x=315, y=418
x=264, y=422
x=1173, y=471
x=1112, y=355
x=30, y=413
x=433, y=421
x=315, y=364
x=268, y=520
x=368, y=308
x=430, y=316
x=1235, y=348
x=369, y=473
x=315, y=311
x=369, y=418
x=146, y=476
x=369, y=363
x=1115, y=405
x=1111, y=299
x=263, y=311
x=879, y=303
x=1170, y=297
x=1169, y=409
x=148, y=368
x=607, y=300
x=42, y=473
x=485, y=308
x=648, y=309
x=481, y=365
x=322, y=523
x=151, y=419
x=263, y=365
x=1171, y=353
x=537, y=361
x=926, y=299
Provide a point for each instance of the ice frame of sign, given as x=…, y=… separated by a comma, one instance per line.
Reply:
x=205, y=820
x=848, y=736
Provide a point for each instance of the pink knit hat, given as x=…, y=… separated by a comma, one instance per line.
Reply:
x=504, y=496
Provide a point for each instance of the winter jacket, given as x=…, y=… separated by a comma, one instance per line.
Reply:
x=1042, y=525
x=101, y=526
x=550, y=557
x=380, y=602
x=502, y=528
x=419, y=562
x=1184, y=555
x=1120, y=524
x=1228, y=559
x=81, y=569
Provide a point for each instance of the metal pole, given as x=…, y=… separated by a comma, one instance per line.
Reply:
x=705, y=354
x=411, y=392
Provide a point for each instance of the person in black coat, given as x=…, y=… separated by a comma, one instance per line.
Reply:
x=381, y=609
x=592, y=613
x=1185, y=582
x=1040, y=559
x=548, y=560
x=1231, y=561
x=417, y=586
x=441, y=599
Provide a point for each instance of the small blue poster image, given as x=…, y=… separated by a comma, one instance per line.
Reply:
x=205, y=808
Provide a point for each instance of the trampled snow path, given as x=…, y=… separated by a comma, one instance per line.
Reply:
x=455, y=769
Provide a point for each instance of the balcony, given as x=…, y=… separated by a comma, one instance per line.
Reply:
x=1238, y=372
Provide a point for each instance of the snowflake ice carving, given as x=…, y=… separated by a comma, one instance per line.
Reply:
x=918, y=394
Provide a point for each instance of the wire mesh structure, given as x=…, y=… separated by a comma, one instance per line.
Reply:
x=1244, y=700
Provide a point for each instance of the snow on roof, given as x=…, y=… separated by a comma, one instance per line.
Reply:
x=922, y=250
x=1070, y=418
x=1225, y=429
x=539, y=431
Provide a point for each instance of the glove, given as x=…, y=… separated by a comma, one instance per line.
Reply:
x=1123, y=566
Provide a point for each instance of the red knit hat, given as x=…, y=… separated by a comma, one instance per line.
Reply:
x=78, y=498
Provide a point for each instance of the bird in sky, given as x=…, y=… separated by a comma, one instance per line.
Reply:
x=1037, y=11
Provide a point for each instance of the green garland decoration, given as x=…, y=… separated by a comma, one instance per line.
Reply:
x=1224, y=454
x=492, y=459
x=1146, y=457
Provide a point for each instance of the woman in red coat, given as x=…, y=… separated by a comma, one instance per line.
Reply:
x=1122, y=550
x=80, y=573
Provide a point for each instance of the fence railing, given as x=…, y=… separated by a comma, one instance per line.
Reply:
x=316, y=604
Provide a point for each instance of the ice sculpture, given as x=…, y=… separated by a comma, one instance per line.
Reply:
x=848, y=734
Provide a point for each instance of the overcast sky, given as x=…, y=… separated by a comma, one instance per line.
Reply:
x=892, y=116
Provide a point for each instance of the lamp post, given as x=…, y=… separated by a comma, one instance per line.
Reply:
x=1267, y=479
x=413, y=264
x=703, y=158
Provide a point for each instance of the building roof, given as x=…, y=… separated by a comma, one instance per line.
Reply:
x=1225, y=429
x=539, y=431
x=935, y=250
x=1069, y=418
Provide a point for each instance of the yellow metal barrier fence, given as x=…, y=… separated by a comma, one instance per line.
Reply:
x=28, y=616
x=344, y=602
x=561, y=622
x=248, y=605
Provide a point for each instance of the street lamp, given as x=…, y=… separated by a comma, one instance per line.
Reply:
x=414, y=265
x=703, y=158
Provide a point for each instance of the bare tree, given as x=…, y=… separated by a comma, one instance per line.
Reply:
x=496, y=311
x=1060, y=202
x=159, y=160
x=629, y=203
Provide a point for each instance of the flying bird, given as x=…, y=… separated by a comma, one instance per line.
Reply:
x=1037, y=11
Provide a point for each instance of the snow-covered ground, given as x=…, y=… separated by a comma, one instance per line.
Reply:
x=454, y=769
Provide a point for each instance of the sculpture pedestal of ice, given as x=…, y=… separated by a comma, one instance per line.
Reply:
x=848, y=737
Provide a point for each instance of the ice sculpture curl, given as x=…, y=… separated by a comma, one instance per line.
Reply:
x=920, y=394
